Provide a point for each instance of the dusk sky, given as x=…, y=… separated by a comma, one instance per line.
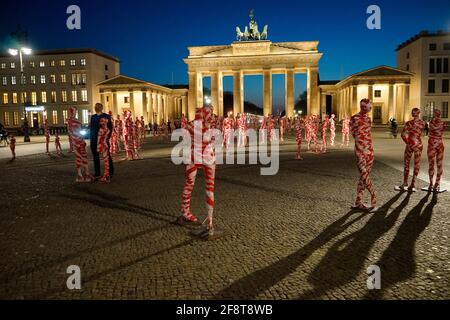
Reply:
x=151, y=37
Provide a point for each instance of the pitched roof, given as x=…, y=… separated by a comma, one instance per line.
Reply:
x=382, y=71
x=121, y=79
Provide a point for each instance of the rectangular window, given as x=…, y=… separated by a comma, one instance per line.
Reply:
x=83, y=62
x=64, y=96
x=445, y=109
x=44, y=96
x=431, y=86
x=126, y=99
x=31, y=64
x=84, y=95
x=3, y=65
x=447, y=46
x=53, y=96
x=85, y=116
x=23, y=79
x=15, y=118
x=78, y=78
x=14, y=97
x=445, y=66
x=41, y=64
x=83, y=78
x=33, y=79
x=13, y=65
x=33, y=98
x=5, y=98
x=445, y=85
x=42, y=78
x=5, y=81
x=106, y=67
x=65, y=115
x=24, y=97
x=7, y=119
x=74, y=96
x=432, y=46
x=63, y=78
x=13, y=80
x=55, y=117
x=62, y=63
x=432, y=66
x=52, y=63
x=72, y=62
x=52, y=78
x=377, y=93
x=74, y=79
x=439, y=65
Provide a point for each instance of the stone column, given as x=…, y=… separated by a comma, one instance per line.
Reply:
x=217, y=92
x=400, y=103
x=150, y=107
x=132, y=103
x=238, y=92
x=407, y=113
x=114, y=103
x=184, y=106
x=267, y=83
x=289, y=92
x=354, y=99
x=170, y=104
x=102, y=100
x=313, y=103
x=195, y=93
x=391, y=107
x=159, y=108
x=144, y=105
x=370, y=92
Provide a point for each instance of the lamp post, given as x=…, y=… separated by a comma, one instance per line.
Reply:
x=20, y=52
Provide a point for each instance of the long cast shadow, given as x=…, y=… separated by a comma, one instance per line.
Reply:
x=253, y=284
x=98, y=275
x=345, y=259
x=52, y=263
x=398, y=261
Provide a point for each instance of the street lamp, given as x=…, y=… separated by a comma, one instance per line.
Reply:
x=15, y=52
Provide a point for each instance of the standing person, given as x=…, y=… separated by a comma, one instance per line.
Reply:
x=361, y=128
x=103, y=148
x=345, y=132
x=323, y=147
x=332, y=129
x=263, y=130
x=58, y=144
x=299, y=128
x=227, y=130
x=12, y=146
x=202, y=156
x=94, y=128
x=412, y=136
x=79, y=145
x=435, y=151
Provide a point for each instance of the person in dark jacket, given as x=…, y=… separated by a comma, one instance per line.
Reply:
x=94, y=127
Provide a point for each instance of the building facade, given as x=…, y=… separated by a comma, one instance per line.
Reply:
x=427, y=56
x=388, y=88
x=261, y=57
x=155, y=103
x=52, y=81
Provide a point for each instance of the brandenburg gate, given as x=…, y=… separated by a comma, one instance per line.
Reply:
x=252, y=54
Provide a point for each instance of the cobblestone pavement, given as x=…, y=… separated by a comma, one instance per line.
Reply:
x=288, y=236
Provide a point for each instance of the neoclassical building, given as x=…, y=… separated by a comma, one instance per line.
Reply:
x=259, y=57
x=388, y=88
x=155, y=102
